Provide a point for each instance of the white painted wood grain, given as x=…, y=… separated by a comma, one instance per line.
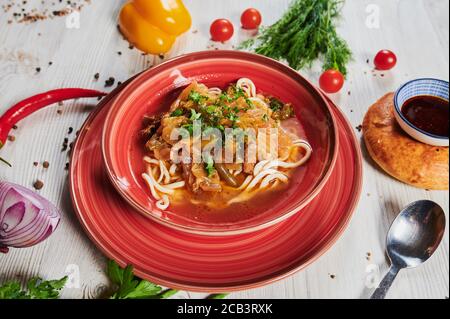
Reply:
x=417, y=30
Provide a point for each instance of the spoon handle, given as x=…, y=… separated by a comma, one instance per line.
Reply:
x=385, y=284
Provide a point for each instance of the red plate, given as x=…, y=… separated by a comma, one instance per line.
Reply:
x=210, y=264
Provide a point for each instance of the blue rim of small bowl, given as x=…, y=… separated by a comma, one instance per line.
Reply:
x=399, y=111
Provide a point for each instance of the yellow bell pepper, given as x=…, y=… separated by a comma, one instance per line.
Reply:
x=153, y=25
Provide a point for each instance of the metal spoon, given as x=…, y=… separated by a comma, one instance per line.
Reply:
x=414, y=236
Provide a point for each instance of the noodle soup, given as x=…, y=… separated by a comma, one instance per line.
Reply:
x=223, y=150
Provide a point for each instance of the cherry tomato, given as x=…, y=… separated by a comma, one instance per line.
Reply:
x=385, y=60
x=331, y=81
x=251, y=19
x=221, y=30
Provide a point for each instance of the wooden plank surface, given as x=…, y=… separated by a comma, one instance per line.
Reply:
x=417, y=30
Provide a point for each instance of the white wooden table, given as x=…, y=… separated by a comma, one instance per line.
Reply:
x=417, y=30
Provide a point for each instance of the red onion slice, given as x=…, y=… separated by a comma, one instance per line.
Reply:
x=26, y=218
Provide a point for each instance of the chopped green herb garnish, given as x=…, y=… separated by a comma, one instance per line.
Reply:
x=233, y=117
x=209, y=165
x=238, y=92
x=197, y=97
x=210, y=109
x=177, y=112
x=265, y=118
x=225, y=98
x=249, y=102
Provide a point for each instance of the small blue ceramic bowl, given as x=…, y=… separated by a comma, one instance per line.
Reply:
x=420, y=87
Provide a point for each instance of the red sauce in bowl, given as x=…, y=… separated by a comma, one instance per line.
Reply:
x=428, y=113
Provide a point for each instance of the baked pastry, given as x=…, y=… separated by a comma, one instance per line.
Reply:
x=412, y=162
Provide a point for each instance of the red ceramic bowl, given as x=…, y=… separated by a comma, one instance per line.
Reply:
x=154, y=90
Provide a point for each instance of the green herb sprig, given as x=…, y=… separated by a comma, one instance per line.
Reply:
x=130, y=287
x=36, y=289
x=306, y=32
x=127, y=286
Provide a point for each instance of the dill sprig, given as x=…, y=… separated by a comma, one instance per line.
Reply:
x=306, y=32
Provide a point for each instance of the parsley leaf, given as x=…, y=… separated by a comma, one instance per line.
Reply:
x=130, y=287
x=36, y=289
x=11, y=290
x=45, y=289
x=114, y=272
x=144, y=289
x=128, y=284
x=167, y=293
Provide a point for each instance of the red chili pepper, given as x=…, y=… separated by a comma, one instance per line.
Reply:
x=35, y=103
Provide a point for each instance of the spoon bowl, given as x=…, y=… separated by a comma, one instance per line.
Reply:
x=415, y=234
x=412, y=239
